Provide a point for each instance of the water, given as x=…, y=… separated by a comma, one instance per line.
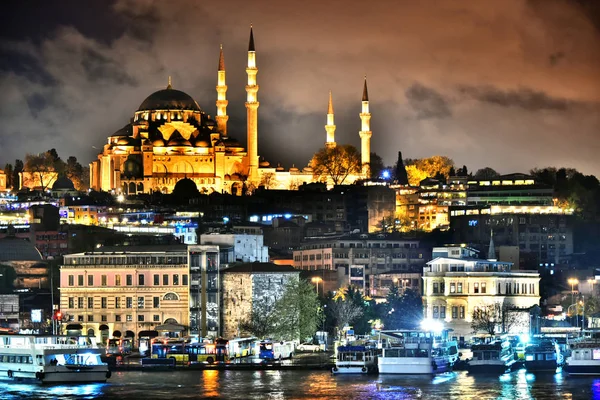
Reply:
x=314, y=385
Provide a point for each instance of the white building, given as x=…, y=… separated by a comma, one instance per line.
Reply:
x=455, y=285
x=246, y=248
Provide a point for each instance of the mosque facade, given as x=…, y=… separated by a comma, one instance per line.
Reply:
x=171, y=138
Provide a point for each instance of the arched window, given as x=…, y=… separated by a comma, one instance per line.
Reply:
x=91, y=332
x=171, y=296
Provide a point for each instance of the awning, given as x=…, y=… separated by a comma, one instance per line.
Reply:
x=148, y=334
x=129, y=334
x=103, y=327
x=170, y=328
x=117, y=334
x=74, y=327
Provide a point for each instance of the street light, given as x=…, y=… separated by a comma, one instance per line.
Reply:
x=316, y=280
x=573, y=282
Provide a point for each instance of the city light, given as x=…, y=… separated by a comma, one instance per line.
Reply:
x=432, y=325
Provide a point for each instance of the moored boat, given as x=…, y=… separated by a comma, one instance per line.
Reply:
x=542, y=356
x=491, y=358
x=51, y=359
x=416, y=352
x=355, y=360
x=585, y=356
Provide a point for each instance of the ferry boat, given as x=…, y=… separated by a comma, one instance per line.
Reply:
x=543, y=356
x=416, y=352
x=51, y=359
x=355, y=360
x=491, y=358
x=585, y=355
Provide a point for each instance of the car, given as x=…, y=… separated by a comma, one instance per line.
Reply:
x=308, y=347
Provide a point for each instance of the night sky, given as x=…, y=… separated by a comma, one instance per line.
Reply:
x=510, y=84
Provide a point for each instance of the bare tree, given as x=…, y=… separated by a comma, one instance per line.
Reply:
x=42, y=167
x=268, y=180
x=336, y=163
x=345, y=313
x=496, y=317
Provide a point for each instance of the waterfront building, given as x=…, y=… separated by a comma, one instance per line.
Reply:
x=357, y=257
x=204, y=290
x=123, y=291
x=171, y=138
x=250, y=286
x=456, y=284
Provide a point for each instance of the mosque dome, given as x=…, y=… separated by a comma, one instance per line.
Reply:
x=169, y=99
x=185, y=188
x=264, y=164
x=63, y=183
x=158, y=143
x=179, y=142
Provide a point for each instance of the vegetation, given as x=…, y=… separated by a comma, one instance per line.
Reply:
x=403, y=309
x=496, y=318
x=336, y=163
x=7, y=278
x=438, y=167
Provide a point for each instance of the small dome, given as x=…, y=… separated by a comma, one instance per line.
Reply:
x=202, y=143
x=179, y=142
x=158, y=143
x=169, y=99
x=264, y=164
x=185, y=188
x=63, y=183
x=294, y=169
x=123, y=141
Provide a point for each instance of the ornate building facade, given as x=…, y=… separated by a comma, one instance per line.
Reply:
x=170, y=138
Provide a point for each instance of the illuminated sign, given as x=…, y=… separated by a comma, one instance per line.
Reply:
x=36, y=315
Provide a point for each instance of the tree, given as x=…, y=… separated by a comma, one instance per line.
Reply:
x=336, y=163
x=502, y=316
x=41, y=167
x=345, y=312
x=403, y=310
x=8, y=170
x=376, y=166
x=268, y=180
x=415, y=175
x=76, y=173
x=296, y=313
x=16, y=184
x=486, y=173
x=7, y=278
x=439, y=167
x=260, y=323
x=400, y=174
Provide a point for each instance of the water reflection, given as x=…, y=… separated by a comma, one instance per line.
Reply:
x=211, y=383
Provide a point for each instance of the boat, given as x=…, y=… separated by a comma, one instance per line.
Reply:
x=585, y=355
x=416, y=352
x=355, y=360
x=543, y=356
x=496, y=357
x=51, y=359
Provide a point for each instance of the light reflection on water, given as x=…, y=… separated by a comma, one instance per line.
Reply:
x=317, y=385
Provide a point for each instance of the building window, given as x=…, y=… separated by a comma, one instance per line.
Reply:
x=128, y=302
x=442, y=312
x=128, y=280
x=175, y=279
x=476, y=287
x=156, y=280
x=462, y=312
x=71, y=280
x=103, y=279
x=165, y=280
x=117, y=318
x=459, y=287
x=80, y=302
x=90, y=302
x=141, y=302
x=483, y=288
x=71, y=302
x=117, y=280
x=184, y=279
x=128, y=318
x=156, y=318
x=90, y=318
x=90, y=280
x=104, y=318
x=436, y=312
x=524, y=288
x=117, y=302
x=435, y=288
x=453, y=288
x=80, y=318
x=156, y=302
x=103, y=302
x=454, y=312
x=80, y=280
x=141, y=279
x=140, y=318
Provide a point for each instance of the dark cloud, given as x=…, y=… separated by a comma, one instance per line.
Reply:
x=527, y=99
x=426, y=102
x=457, y=79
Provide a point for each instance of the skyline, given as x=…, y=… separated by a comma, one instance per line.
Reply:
x=524, y=74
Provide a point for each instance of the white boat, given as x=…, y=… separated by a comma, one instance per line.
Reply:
x=496, y=357
x=416, y=352
x=542, y=356
x=51, y=359
x=355, y=360
x=585, y=355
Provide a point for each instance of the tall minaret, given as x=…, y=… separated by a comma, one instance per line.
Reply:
x=222, y=102
x=330, y=127
x=365, y=132
x=252, y=111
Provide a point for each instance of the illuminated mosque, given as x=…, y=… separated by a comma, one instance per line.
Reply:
x=171, y=138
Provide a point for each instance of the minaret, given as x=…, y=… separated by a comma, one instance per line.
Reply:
x=222, y=102
x=252, y=111
x=330, y=127
x=365, y=132
x=492, y=249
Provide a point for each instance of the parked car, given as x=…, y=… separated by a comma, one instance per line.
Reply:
x=308, y=347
